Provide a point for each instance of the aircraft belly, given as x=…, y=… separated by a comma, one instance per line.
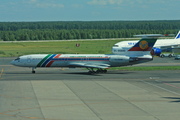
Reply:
x=68, y=64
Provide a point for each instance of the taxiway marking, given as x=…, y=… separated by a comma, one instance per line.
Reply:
x=161, y=88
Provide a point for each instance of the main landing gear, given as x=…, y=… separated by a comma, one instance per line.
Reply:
x=99, y=70
x=33, y=70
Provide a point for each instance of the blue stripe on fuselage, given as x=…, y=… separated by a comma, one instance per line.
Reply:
x=48, y=60
x=81, y=59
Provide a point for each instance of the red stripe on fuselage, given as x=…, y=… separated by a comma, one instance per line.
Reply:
x=57, y=56
x=49, y=64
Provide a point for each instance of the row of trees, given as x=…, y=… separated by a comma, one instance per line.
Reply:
x=117, y=25
x=47, y=34
x=16, y=31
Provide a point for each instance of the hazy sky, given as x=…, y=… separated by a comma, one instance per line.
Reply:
x=88, y=10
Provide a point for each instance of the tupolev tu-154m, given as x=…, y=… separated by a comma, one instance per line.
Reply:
x=139, y=53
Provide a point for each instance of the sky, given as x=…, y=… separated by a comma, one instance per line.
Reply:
x=88, y=10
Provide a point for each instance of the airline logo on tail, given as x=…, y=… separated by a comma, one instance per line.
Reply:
x=145, y=44
x=178, y=36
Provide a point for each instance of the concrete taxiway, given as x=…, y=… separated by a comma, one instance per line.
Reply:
x=72, y=94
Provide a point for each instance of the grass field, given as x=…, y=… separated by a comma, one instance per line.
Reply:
x=59, y=47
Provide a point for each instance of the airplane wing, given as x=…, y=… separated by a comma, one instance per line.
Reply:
x=103, y=66
x=166, y=46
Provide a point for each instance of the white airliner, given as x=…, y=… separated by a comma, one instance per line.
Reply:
x=138, y=53
x=161, y=44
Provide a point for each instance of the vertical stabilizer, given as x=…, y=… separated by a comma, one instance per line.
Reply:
x=178, y=35
x=145, y=44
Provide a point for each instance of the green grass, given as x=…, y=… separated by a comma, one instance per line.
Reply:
x=60, y=47
x=151, y=68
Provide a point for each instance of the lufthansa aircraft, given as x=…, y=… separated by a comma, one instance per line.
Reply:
x=161, y=44
x=138, y=53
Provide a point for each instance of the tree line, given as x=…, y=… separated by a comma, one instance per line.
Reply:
x=16, y=31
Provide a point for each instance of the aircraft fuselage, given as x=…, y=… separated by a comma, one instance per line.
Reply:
x=70, y=60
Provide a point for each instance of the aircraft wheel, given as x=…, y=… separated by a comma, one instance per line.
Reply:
x=162, y=56
x=170, y=56
x=105, y=71
x=33, y=70
x=97, y=71
x=91, y=72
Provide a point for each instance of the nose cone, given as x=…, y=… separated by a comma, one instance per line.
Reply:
x=12, y=62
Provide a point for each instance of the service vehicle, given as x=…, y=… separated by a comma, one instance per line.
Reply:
x=177, y=57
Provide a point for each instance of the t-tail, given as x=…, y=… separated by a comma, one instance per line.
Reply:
x=142, y=50
x=145, y=45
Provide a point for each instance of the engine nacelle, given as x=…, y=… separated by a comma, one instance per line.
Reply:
x=157, y=51
x=119, y=59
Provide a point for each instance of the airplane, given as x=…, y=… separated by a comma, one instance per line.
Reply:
x=160, y=45
x=138, y=53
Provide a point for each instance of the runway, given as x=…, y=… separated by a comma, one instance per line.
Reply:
x=72, y=94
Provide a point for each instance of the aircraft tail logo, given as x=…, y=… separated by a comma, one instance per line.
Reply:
x=145, y=44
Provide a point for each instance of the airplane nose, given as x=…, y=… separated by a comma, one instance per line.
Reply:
x=12, y=62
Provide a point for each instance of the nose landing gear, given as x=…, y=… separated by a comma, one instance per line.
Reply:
x=33, y=70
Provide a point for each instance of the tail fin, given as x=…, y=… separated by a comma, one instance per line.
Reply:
x=178, y=35
x=145, y=44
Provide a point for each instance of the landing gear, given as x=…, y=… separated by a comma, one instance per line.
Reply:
x=33, y=70
x=99, y=70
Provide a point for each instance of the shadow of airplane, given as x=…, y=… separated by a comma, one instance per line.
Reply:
x=174, y=99
x=65, y=72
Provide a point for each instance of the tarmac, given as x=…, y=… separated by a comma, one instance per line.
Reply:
x=72, y=94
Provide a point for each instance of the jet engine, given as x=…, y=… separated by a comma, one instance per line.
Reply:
x=157, y=51
x=119, y=59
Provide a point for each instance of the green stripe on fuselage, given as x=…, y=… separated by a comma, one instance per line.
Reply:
x=42, y=61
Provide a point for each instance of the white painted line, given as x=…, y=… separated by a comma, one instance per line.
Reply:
x=162, y=88
x=154, y=77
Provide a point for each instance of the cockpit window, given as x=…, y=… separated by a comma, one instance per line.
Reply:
x=17, y=59
x=116, y=46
